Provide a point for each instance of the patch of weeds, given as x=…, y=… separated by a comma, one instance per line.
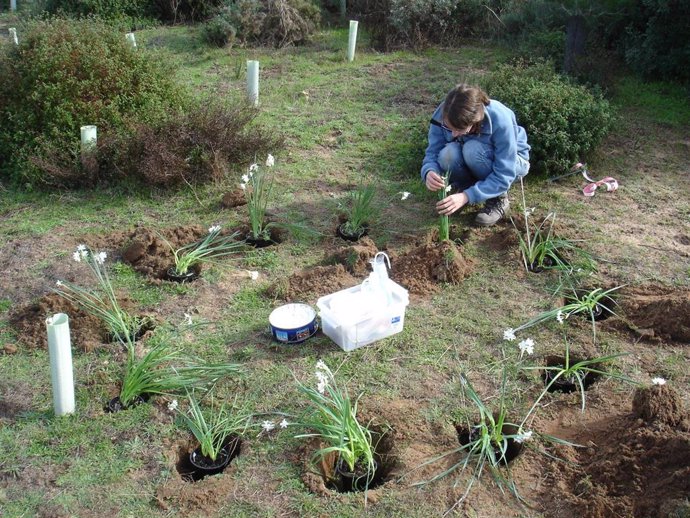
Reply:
x=262, y=258
x=136, y=287
x=5, y=305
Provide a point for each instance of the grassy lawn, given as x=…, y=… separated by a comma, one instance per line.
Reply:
x=342, y=122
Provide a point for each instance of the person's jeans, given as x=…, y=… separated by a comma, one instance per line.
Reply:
x=472, y=161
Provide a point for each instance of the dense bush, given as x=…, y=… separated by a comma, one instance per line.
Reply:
x=656, y=42
x=563, y=121
x=65, y=74
x=134, y=12
x=417, y=23
x=269, y=22
x=200, y=145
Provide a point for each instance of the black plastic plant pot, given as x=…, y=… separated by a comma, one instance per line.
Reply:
x=603, y=309
x=258, y=242
x=115, y=405
x=204, y=466
x=546, y=263
x=351, y=236
x=564, y=384
x=147, y=324
x=513, y=448
x=173, y=276
x=347, y=481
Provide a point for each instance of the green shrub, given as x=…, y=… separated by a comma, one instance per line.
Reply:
x=418, y=23
x=65, y=74
x=124, y=14
x=656, y=43
x=268, y=22
x=563, y=121
x=218, y=31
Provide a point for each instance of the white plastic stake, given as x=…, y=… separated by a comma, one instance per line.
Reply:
x=89, y=138
x=13, y=5
x=13, y=35
x=253, y=82
x=352, y=40
x=131, y=39
x=60, y=350
x=343, y=8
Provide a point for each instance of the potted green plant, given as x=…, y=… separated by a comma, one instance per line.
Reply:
x=104, y=305
x=257, y=185
x=333, y=420
x=358, y=211
x=218, y=430
x=188, y=259
x=164, y=370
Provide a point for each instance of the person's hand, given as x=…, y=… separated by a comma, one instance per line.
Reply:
x=433, y=181
x=451, y=203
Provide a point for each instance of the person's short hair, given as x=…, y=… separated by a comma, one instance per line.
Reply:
x=464, y=106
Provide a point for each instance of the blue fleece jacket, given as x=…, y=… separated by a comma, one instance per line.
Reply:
x=500, y=131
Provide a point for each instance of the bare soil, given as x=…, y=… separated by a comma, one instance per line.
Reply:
x=657, y=311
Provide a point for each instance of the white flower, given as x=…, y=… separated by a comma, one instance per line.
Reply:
x=523, y=437
x=213, y=228
x=405, y=195
x=59, y=283
x=100, y=257
x=81, y=248
x=284, y=423
x=245, y=178
x=526, y=346
x=268, y=426
x=81, y=253
x=270, y=161
x=252, y=168
x=559, y=316
x=172, y=406
x=253, y=275
x=187, y=319
x=509, y=334
x=243, y=186
x=321, y=365
x=448, y=188
x=77, y=256
x=658, y=381
x=323, y=381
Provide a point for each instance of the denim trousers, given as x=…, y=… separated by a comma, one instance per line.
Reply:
x=472, y=161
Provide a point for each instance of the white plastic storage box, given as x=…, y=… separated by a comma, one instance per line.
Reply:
x=369, y=321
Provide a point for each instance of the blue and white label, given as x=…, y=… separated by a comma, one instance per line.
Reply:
x=282, y=335
x=395, y=320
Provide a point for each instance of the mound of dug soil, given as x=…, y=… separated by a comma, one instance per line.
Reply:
x=86, y=331
x=310, y=284
x=356, y=258
x=425, y=267
x=661, y=312
x=630, y=465
x=150, y=255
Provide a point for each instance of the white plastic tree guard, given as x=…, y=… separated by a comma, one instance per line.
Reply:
x=61, y=376
x=352, y=40
x=89, y=138
x=13, y=35
x=13, y=5
x=131, y=39
x=253, y=82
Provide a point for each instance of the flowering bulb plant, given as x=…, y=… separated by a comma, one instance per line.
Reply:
x=212, y=246
x=443, y=221
x=104, y=304
x=574, y=373
x=542, y=250
x=213, y=428
x=359, y=209
x=487, y=445
x=334, y=421
x=257, y=185
x=156, y=373
x=591, y=303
